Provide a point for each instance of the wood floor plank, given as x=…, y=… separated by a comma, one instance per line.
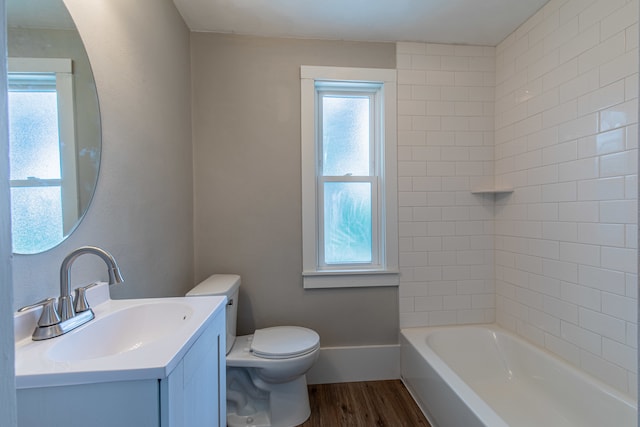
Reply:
x=363, y=404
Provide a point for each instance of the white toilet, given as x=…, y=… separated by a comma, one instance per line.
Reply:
x=266, y=382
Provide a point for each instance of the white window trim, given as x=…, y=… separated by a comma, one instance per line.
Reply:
x=387, y=274
x=63, y=69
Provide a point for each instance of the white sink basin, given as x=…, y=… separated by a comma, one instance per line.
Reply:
x=128, y=340
x=129, y=329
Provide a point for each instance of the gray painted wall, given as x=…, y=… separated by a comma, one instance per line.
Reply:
x=246, y=142
x=247, y=156
x=143, y=207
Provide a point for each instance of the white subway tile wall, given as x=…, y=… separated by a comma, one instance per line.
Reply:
x=446, y=149
x=552, y=112
x=566, y=140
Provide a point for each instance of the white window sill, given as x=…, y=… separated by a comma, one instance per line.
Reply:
x=349, y=279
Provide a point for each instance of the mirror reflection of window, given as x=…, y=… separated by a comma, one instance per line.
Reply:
x=44, y=195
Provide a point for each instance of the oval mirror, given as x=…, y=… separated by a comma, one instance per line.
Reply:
x=54, y=125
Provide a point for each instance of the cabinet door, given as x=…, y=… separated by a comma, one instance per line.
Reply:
x=194, y=394
x=122, y=403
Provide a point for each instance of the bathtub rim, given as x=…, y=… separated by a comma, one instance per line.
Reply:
x=482, y=410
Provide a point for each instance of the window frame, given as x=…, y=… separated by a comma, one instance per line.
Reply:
x=381, y=83
x=373, y=93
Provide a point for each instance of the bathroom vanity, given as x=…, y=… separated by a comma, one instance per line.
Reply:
x=148, y=362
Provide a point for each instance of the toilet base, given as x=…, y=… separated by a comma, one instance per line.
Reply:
x=288, y=406
x=259, y=419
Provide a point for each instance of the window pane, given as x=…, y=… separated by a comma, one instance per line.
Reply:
x=345, y=135
x=33, y=135
x=347, y=222
x=36, y=218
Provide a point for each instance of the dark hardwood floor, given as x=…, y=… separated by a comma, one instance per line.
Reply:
x=363, y=404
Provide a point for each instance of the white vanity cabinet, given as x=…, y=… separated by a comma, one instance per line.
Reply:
x=193, y=393
x=186, y=395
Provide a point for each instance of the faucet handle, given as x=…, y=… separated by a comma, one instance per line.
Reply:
x=49, y=314
x=81, y=298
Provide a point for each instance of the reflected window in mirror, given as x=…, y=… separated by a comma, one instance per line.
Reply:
x=43, y=178
x=40, y=30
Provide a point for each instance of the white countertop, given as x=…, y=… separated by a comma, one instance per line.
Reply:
x=154, y=356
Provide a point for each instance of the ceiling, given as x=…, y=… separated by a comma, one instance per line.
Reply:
x=476, y=22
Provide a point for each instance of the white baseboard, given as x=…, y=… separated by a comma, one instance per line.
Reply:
x=358, y=363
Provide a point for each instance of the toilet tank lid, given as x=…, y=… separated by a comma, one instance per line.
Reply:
x=217, y=284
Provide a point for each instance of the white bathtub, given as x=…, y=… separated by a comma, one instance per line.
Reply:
x=467, y=376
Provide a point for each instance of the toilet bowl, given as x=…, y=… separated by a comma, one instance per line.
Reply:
x=266, y=382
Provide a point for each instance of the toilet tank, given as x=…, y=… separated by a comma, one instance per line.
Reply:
x=229, y=286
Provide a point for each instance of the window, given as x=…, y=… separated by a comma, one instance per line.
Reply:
x=43, y=181
x=349, y=178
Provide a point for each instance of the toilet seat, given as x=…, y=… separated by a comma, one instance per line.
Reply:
x=283, y=342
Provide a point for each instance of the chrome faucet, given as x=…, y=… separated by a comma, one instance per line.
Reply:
x=54, y=323
x=65, y=302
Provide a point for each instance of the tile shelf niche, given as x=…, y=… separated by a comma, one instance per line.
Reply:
x=496, y=190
